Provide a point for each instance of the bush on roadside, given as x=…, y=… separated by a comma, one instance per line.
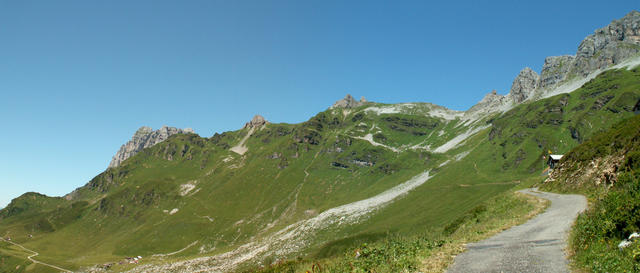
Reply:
x=611, y=219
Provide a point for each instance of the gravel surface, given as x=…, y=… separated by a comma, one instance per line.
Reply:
x=535, y=246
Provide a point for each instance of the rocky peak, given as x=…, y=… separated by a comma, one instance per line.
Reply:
x=625, y=30
x=143, y=138
x=349, y=102
x=256, y=121
x=143, y=131
x=524, y=85
x=607, y=46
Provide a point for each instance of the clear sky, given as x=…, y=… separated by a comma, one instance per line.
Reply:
x=77, y=78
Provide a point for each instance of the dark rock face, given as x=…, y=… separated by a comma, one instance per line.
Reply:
x=601, y=102
x=339, y=165
x=143, y=138
x=636, y=109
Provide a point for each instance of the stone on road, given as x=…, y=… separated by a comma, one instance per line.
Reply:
x=535, y=246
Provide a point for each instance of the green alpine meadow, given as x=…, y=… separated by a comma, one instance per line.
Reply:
x=362, y=186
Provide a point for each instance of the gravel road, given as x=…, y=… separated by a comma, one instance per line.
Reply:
x=535, y=246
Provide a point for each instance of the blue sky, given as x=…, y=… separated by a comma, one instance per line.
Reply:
x=77, y=78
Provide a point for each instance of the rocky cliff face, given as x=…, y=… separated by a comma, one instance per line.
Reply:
x=524, y=85
x=555, y=69
x=611, y=45
x=143, y=138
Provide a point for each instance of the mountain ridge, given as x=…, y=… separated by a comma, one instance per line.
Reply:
x=611, y=45
x=186, y=192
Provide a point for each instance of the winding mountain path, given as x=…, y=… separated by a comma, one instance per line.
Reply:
x=30, y=257
x=535, y=246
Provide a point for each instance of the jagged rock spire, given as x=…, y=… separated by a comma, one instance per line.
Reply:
x=349, y=102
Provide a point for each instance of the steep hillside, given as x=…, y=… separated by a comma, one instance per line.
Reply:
x=606, y=168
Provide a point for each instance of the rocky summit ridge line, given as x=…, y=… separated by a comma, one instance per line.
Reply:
x=606, y=47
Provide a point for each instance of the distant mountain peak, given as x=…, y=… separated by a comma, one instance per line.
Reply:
x=144, y=137
x=349, y=102
x=256, y=121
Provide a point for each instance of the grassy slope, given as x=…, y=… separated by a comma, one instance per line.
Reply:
x=121, y=212
x=124, y=211
x=492, y=164
x=527, y=132
x=421, y=251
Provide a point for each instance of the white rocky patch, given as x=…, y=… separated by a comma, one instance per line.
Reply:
x=433, y=110
x=369, y=138
x=421, y=146
x=446, y=113
x=462, y=155
x=240, y=148
x=444, y=163
x=391, y=109
x=187, y=188
x=454, y=142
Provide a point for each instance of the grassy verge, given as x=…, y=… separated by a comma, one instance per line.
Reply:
x=498, y=214
x=427, y=252
x=612, y=217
